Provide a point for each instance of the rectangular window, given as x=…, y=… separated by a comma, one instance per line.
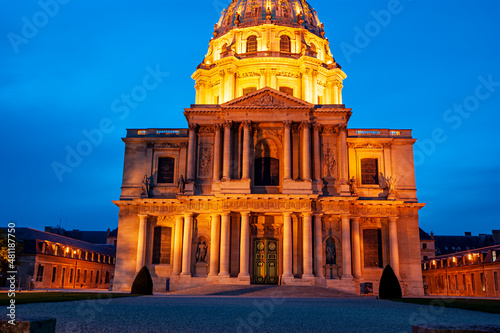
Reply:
x=97, y=277
x=54, y=270
x=106, y=280
x=495, y=277
x=369, y=171
x=494, y=255
x=424, y=246
x=464, y=281
x=472, y=282
x=166, y=166
x=78, y=276
x=85, y=276
x=71, y=276
x=39, y=273
x=483, y=282
x=91, y=276
x=456, y=282
x=286, y=90
x=247, y=91
x=162, y=242
x=372, y=241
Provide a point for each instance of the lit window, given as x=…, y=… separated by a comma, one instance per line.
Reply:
x=369, y=171
x=424, y=246
x=252, y=44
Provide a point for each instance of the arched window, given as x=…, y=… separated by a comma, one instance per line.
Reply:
x=252, y=44
x=314, y=50
x=267, y=171
x=285, y=44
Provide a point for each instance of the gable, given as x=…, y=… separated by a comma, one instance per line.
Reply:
x=267, y=98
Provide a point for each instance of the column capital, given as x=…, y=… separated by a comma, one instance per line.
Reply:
x=143, y=216
x=218, y=127
x=355, y=218
x=287, y=124
x=318, y=214
x=226, y=213
x=222, y=73
x=193, y=127
x=393, y=219
x=305, y=124
x=287, y=214
x=215, y=215
x=188, y=214
x=317, y=127
x=342, y=128
x=307, y=214
x=245, y=213
x=246, y=123
x=228, y=124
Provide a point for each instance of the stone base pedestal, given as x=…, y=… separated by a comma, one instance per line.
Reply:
x=244, y=278
x=201, y=269
x=332, y=272
x=236, y=186
x=345, y=191
x=291, y=186
x=189, y=189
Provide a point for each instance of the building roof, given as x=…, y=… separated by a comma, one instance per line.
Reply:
x=28, y=234
x=248, y=13
x=94, y=237
x=424, y=235
x=451, y=244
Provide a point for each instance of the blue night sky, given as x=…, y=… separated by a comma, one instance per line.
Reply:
x=431, y=66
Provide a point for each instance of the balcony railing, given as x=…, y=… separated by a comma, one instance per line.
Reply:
x=379, y=133
x=157, y=132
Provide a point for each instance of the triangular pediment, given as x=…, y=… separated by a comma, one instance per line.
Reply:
x=267, y=98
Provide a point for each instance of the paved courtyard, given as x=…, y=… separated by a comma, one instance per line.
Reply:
x=240, y=310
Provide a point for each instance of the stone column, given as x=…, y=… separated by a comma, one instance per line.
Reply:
x=222, y=76
x=308, y=246
x=339, y=89
x=344, y=182
x=186, y=248
x=245, y=174
x=335, y=89
x=314, y=84
x=214, y=245
x=229, y=92
x=393, y=239
x=263, y=75
x=226, y=170
x=274, y=83
x=244, y=245
x=288, y=150
x=346, y=248
x=287, y=245
x=216, y=177
x=191, y=152
x=317, y=152
x=318, y=245
x=356, y=248
x=306, y=149
x=179, y=220
x=141, y=242
x=224, y=244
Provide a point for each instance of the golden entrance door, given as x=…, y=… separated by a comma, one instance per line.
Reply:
x=265, y=261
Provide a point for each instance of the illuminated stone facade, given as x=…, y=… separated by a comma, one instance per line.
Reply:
x=268, y=185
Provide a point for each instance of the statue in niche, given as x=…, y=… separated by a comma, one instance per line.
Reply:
x=352, y=187
x=180, y=184
x=201, y=252
x=329, y=163
x=205, y=160
x=145, y=187
x=331, y=253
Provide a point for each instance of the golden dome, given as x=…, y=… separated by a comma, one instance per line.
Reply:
x=289, y=13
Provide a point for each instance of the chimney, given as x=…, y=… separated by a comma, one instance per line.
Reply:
x=468, y=233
